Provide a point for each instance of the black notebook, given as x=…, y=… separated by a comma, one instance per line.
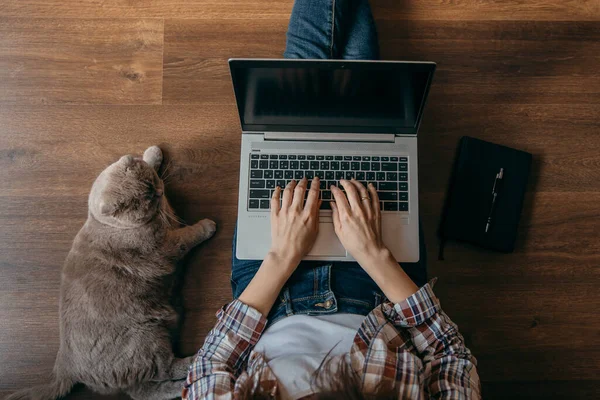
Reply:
x=485, y=196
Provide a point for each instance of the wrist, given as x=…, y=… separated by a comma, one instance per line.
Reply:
x=285, y=262
x=373, y=257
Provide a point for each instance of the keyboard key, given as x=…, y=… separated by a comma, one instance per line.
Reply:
x=366, y=158
x=375, y=166
x=393, y=158
x=268, y=174
x=381, y=176
x=403, y=159
x=329, y=157
x=304, y=164
x=273, y=156
x=339, y=175
x=324, y=165
x=253, y=203
x=360, y=176
x=264, y=156
x=301, y=157
x=264, y=204
x=403, y=206
x=288, y=174
x=403, y=186
x=283, y=157
x=403, y=167
x=345, y=165
x=388, y=186
x=364, y=183
x=320, y=174
x=365, y=166
x=254, y=164
x=331, y=183
x=310, y=157
x=320, y=157
x=322, y=185
x=385, y=159
x=348, y=158
x=370, y=176
x=270, y=184
x=403, y=196
x=298, y=175
x=314, y=165
x=278, y=174
x=309, y=174
x=325, y=206
x=391, y=176
x=263, y=164
x=403, y=176
x=254, y=156
x=335, y=165
x=292, y=157
x=386, y=166
x=326, y=194
x=339, y=158
x=256, y=174
x=273, y=164
x=388, y=196
x=259, y=194
x=349, y=175
x=375, y=158
x=280, y=183
x=294, y=164
x=257, y=184
x=284, y=164
x=329, y=175
x=390, y=206
x=355, y=166
x=356, y=158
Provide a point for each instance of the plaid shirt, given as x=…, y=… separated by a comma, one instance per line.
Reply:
x=412, y=344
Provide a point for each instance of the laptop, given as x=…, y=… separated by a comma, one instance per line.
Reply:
x=335, y=119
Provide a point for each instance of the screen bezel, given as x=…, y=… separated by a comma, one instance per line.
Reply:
x=236, y=64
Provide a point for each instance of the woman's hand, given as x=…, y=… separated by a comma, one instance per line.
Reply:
x=357, y=219
x=357, y=222
x=294, y=225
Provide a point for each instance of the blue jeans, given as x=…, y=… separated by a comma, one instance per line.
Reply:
x=322, y=29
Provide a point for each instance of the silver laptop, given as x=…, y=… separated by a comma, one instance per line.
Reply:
x=335, y=120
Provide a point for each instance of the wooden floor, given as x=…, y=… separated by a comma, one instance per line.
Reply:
x=84, y=82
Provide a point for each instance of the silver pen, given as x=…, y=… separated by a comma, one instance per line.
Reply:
x=499, y=176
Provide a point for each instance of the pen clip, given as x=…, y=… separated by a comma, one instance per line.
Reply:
x=499, y=175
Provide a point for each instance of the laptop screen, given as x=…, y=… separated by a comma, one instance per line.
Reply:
x=331, y=96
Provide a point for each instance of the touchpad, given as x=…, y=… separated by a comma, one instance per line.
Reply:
x=327, y=243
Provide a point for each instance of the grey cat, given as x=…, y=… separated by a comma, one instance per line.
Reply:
x=115, y=312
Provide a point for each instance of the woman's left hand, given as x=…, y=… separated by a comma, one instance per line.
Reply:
x=294, y=224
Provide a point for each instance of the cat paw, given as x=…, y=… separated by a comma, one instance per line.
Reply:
x=210, y=227
x=153, y=156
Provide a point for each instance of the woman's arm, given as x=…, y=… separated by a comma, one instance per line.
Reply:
x=294, y=228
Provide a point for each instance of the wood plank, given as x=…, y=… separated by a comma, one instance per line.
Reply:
x=67, y=61
x=565, y=10
x=561, y=389
x=196, y=53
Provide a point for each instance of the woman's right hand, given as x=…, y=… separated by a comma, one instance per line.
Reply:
x=357, y=220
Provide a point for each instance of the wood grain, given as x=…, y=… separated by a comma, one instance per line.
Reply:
x=521, y=74
x=77, y=61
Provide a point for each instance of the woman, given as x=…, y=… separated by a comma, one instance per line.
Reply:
x=331, y=330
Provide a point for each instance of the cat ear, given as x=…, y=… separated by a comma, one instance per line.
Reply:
x=127, y=160
x=107, y=208
x=153, y=156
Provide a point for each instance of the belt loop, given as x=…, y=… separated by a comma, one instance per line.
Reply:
x=288, y=301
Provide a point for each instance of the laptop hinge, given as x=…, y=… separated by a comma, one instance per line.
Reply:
x=329, y=137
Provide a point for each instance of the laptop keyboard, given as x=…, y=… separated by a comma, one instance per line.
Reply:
x=388, y=174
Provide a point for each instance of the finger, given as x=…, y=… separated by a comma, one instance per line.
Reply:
x=299, y=194
x=352, y=193
x=288, y=195
x=375, y=205
x=340, y=200
x=275, y=201
x=365, y=199
x=336, y=217
x=312, y=201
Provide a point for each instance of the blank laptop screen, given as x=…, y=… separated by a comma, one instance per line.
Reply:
x=301, y=96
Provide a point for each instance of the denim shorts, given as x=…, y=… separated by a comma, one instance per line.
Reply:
x=323, y=287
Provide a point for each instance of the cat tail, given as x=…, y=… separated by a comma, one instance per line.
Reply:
x=55, y=390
